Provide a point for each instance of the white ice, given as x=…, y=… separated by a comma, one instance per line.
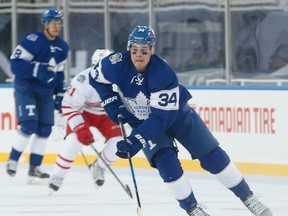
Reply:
x=79, y=197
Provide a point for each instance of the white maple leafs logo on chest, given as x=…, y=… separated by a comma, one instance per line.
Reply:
x=54, y=49
x=138, y=79
x=140, y=105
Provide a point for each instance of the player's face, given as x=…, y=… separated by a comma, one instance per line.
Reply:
x=140, y=56
x=53, y=28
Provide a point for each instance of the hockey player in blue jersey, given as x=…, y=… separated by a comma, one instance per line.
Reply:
x=152, y=101
x=38, y=65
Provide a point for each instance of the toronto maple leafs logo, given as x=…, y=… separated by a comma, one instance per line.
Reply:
x=117, y=57
x=138, y=79
x=54, y=48
x=140, y=105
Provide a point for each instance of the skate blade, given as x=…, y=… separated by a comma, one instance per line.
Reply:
x=139, y=211
x=37, y=181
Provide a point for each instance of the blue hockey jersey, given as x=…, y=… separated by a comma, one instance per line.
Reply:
x=153, y=95
x=33, y=48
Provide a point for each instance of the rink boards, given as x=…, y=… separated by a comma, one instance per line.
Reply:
x=250, y=123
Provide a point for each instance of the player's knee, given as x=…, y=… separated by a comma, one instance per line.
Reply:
x=168, y=164
x=44, y=130
x=28, y=127
x=215, y=161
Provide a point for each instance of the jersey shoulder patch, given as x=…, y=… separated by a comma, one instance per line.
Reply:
x=32, y=37
x=82, y=77
x=115, y=58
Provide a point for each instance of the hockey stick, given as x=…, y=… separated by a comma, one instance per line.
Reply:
x=85, y=160
x=88, y=166
x=139, y=209
x=125, y=187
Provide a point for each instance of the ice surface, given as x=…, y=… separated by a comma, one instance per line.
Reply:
x=78, y=196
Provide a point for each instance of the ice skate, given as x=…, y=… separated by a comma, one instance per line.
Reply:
x=55, y=183
x=98, y=174
x=11, y=167
x=256, y=207
x=36, y=176
x=197, y=211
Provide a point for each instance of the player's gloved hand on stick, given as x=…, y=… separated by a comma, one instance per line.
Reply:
x=43, y=72
x=114, y=106
x=132, y=144
x=84, y=134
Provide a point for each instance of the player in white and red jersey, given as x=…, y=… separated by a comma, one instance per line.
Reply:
x=81, y=107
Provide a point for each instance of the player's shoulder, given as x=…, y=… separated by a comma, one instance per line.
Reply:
x=158, y=62
x=115, y=59
x=161, y=75
x=160, y=68
x=81, y=77
x=81, y=80
x=112, y=64
x=33, y=42
x=32, y=38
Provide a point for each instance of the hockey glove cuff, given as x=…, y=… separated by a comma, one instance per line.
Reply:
x=111, y=104
x=43, y=72
x=132, y=145
x=84, y=134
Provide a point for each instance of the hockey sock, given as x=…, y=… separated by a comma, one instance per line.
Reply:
x=182, y=191
x=242, y=190
x=218, y=162
x=19, y=146
x=170, y=170
x=38, y=147
x=35, y=159
x=14, y=155
x=67, y=155
x=231, y=178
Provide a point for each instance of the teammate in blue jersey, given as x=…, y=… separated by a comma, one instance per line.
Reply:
x=151, y=100
x=38, y=65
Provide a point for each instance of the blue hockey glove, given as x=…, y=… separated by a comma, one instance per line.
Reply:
x=114, y=107
x=43, y=72
x=111, y=104
x=132, y=144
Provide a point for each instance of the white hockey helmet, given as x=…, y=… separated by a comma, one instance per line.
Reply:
x=98, y=55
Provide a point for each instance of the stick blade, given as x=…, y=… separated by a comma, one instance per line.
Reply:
x=139, y=211
x=129, y=192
